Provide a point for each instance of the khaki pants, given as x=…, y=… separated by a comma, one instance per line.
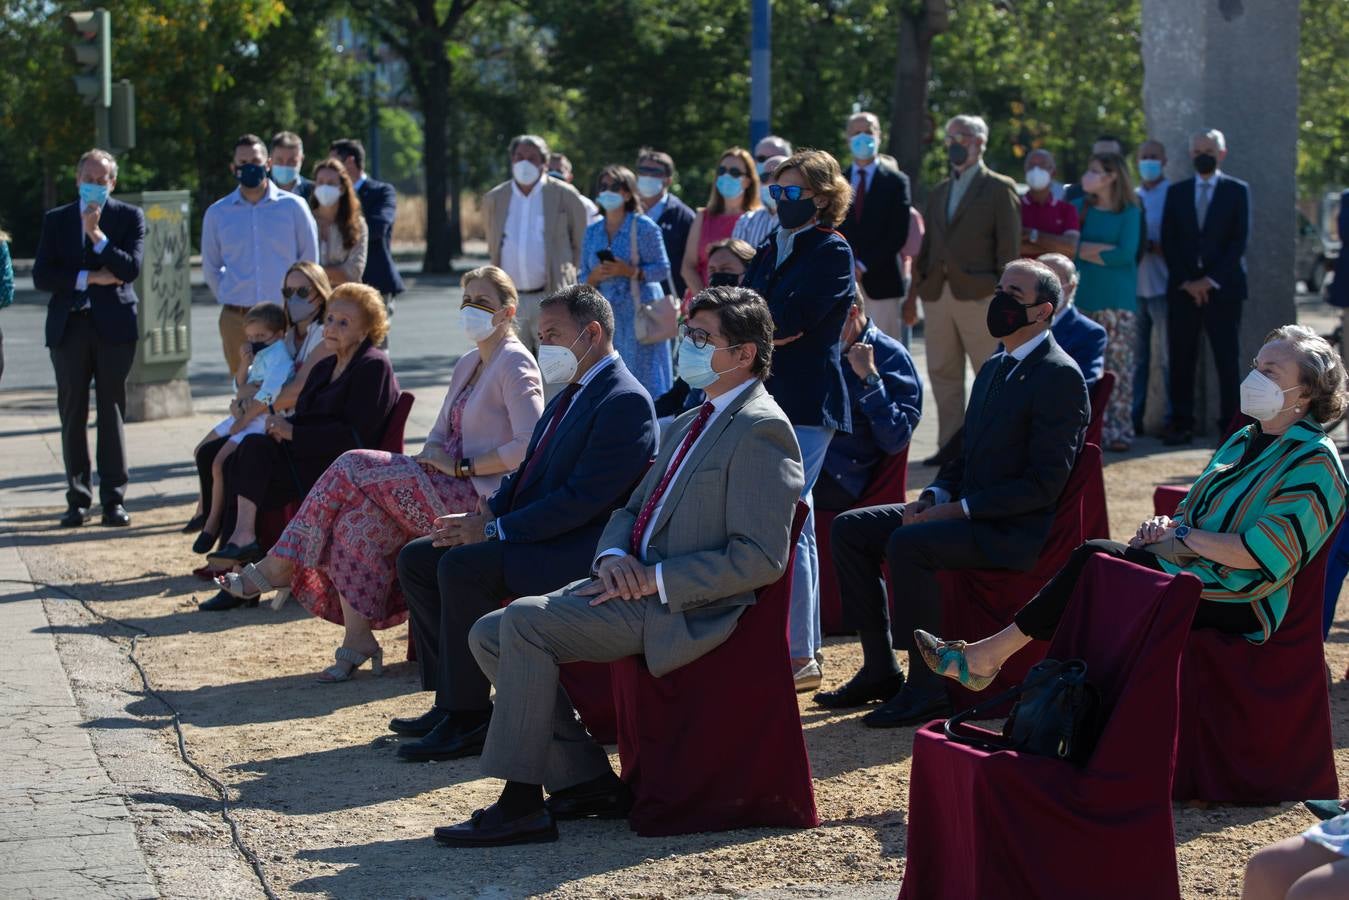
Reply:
x=885, y=313
x=954, y=330
x=232, y=335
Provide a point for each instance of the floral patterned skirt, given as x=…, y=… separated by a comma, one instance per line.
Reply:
x=1121, y=351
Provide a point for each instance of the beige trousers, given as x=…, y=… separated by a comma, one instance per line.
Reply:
x=954, y=331
x=527, y=319
x=885, y=313
x=232, y=335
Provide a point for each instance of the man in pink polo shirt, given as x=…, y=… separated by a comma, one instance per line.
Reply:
x=1048, y=224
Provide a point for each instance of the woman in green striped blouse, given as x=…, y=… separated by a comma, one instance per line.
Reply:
x=1269, y=499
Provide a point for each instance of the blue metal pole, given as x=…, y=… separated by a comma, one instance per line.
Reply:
x=760, y=70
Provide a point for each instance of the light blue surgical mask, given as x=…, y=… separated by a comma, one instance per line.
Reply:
x=729, y=186
x=93, y=194
x=285, y=174
x=766, y=197
x=609, y=200
x=695, y=366
x=863, y=146
x=650, y=186
x=1150, y=169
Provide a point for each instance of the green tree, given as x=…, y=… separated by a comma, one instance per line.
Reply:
x=1323, y=85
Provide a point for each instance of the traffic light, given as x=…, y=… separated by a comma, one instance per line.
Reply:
x=92, y=55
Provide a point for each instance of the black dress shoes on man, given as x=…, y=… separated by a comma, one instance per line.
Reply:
x=459, y=735
x=860, y=691
x=114, y=516
x=1177, y=437
x=73, y=518
x=490, y=828
x=606, y=797
x=224, y=600
x=910, y=707
x=419, y=726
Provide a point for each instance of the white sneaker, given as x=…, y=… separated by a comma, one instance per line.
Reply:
x=808, y=677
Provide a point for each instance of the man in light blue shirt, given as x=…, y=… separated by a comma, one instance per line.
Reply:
x=249, y=239
x=1152, y=275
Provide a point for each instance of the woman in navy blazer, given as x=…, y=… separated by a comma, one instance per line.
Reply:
x=805, y=272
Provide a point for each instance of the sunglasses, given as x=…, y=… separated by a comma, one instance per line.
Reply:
x=791, y=191
x=301, y=292
x=611, y=186
x=733, y=171
x=658, y=171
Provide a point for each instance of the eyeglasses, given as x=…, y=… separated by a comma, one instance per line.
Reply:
x=733, y=171
x=696, y=336
x=790, y=191
x=960, y=137
x=301, y=292
x=658, y=171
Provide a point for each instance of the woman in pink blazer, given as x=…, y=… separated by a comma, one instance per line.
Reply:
x=339, y=555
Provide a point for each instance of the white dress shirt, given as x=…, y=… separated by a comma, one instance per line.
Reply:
x=246, y=248
x=719, y=405
x=524, y=253
x=941, y=495
x=1152, y=271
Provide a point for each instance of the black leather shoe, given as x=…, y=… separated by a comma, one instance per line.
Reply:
x=420, y=726
x=487, y=828
x=910, y=707
x=610, y=800
x=859, y=691
x=204, y=542
x=223, y=600
x=114, y=516
x=195, y=523
x=73, y=518
x=1176, y=437
x=454, y=738
x=233, y=555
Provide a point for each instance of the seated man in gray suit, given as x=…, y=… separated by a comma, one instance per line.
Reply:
x=990, y=508
x=709, y=524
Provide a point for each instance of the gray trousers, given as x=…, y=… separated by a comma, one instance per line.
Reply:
x=536, y=736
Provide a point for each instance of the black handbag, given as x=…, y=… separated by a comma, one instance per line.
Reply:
x=1057, y=713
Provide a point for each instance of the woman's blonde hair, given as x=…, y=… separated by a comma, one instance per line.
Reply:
x=318, y=279
x=501, y=283
x=370, y=303
x=716, y=204
x=1320, y=369
x=822, y=175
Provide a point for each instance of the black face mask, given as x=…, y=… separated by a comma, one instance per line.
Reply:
x=1006, y=314
x=723, y=279
x=795, y=213
x=250, y=175
x=258, y=346
x=956, y=154
x=1206, y=164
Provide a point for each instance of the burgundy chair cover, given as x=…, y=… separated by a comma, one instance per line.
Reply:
x=1167, y=497
x=887, y=485
x=990, y=825
x=1255, y=719
x=1100, y=399
x=980, y=602
x=717, y=744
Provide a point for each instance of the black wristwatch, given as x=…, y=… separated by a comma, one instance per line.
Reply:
x=1182, y=532
x=491, y=532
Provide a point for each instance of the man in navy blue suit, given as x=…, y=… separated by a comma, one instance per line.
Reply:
x=877, y=224
x=379, y=205
x=1205, y=225
x=539, y=531
x=1081, y=338
x=88, y=257
x=655, y=174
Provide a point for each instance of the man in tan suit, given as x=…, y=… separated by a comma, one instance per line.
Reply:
x=535, y=226
x=973, y=230
x=709, y=525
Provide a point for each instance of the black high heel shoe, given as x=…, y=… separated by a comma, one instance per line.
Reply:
x=195, y=523
x=204, y=542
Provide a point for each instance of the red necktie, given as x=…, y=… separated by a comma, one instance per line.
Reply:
x=859, y=199
x=649, y=508
x=563, y=402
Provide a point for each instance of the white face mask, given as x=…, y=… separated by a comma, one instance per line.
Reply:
x=1261, y=397
x=1037, y=179
x=558, y=364
x=327, y=194
x=477, y=323
x=525, y=172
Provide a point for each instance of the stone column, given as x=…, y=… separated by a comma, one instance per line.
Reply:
x=1232, y=65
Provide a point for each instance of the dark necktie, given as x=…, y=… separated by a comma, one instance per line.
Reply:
x=649, y=508
x=999, y=380
x=559, y=410
x=859, y=200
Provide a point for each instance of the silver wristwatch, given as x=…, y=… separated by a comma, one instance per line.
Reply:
x=491, y=532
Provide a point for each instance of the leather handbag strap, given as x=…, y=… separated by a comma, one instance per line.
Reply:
x=976, y=712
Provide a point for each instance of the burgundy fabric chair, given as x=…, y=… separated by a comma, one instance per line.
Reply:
x=1100, y=399
x=1255, y=718
x=888, y=485
x=717, y=744
x=591, y=689
x=979, y=602
x=990, y=825
x=1167, y=497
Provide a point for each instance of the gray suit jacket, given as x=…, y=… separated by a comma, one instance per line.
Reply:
x=724, y=530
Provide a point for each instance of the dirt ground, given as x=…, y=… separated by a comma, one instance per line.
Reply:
x=330, y=811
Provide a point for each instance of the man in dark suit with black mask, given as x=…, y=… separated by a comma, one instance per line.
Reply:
x=379, y=205
x=88, y=256
x=990, y=507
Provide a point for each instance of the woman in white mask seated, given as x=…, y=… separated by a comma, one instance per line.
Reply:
x=1270, y=498
x=339, y=555
x=344, y=238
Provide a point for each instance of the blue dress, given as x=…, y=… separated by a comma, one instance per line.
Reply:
x=649, y=363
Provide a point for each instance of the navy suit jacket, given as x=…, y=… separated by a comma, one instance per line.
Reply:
x=599, y=453
x=62, y=252
x=1338, y=292
x=1018, y=454
x=876, y=240
x=1218, y=250
x=808, y=295
x=1084, y=340
x=675, y=221
x=303, y=187
x=379, y=205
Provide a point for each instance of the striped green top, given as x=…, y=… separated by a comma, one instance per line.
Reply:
x=1285, y=504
